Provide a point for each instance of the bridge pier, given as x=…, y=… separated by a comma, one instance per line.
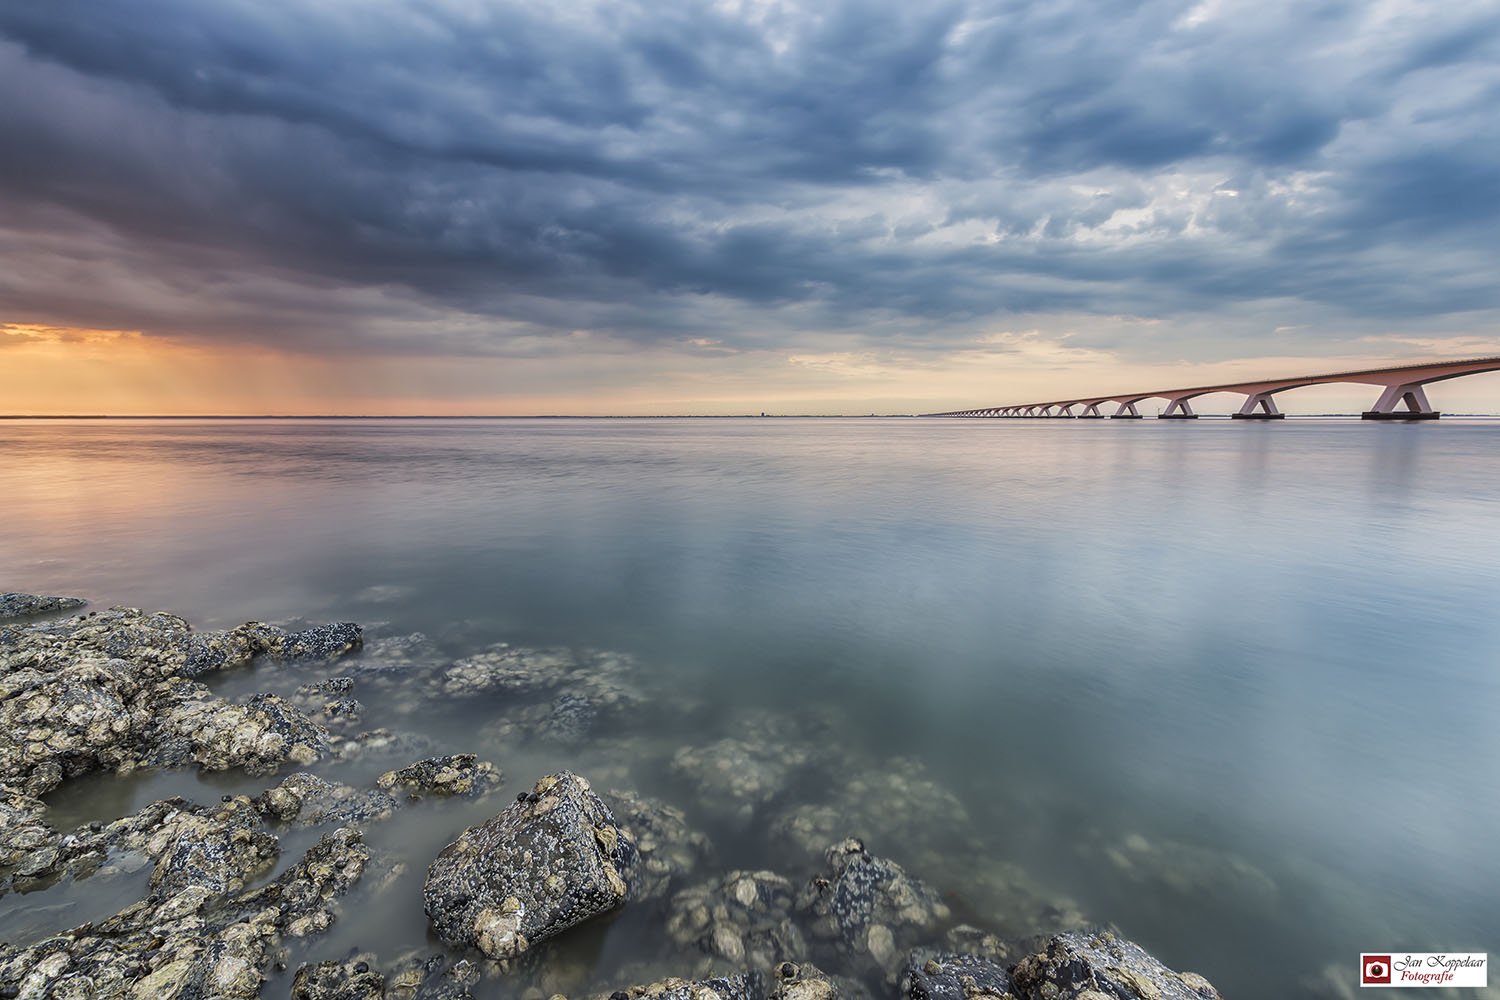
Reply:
x=1412, y=394
x=1127, y=411
x=1091, y=412
x=1178, y=409
x=1259, y=406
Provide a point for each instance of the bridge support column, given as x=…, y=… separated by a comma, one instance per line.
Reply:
x=1178, y=409
x=1091, y=412
x=1127, y=411
x=1412, y=394
x=1259, y=406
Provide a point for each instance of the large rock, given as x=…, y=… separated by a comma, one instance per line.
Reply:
x=1098, y=965
x=870, y=911
x=554, y=858
x=24, y=605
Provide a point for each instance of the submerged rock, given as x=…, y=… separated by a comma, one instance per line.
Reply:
x=735, y=777
x=869, y=910
x=554, y=858
x=1172, y=868
x=669, y=849
x=460, y=774
x=308, y=800
x=24, y=605
x=387, y=743
x=896, y=799
x=744, y=919
x=186, y=943
x=1084, y=965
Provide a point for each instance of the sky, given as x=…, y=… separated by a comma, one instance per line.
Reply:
x=461, y=206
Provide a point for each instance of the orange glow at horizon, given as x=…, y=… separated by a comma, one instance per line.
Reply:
x=57, y=371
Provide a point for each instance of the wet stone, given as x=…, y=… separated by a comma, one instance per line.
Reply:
x=936, y=975
x=14, y=605
x=259, y=735
x=223, y=846
x=184, y=943
x=321, y=642
x=553, y=859
x=358, y=979
x=805, y=981
x=744, y=920
x=1084, y=965
x=741, y=986
x=670, y=850
x=870, y=911
x=23, y=827
x=453, y=775
x=307, y=800
x=113, y=691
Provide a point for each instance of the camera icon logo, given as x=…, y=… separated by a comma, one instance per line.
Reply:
x=1374, y=970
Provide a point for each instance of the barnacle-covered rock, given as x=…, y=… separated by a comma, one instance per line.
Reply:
x=184, y=941
x=14, y=605
x=554, y=858
x=869, y=910
x=1085, y=965
x=460, y=774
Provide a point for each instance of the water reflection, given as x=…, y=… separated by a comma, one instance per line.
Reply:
x=1199, y=679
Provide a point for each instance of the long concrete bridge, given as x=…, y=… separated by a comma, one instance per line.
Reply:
x=1402, y=395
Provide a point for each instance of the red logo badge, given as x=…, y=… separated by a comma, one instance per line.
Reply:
x=1374, y=969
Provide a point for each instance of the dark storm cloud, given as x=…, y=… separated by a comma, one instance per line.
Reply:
x=468, y=177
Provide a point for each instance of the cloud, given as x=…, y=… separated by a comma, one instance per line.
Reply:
x=459, y=178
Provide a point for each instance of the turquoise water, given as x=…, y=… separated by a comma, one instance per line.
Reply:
x=1230, y=686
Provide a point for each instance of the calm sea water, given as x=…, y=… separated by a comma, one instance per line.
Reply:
x=1233, y=687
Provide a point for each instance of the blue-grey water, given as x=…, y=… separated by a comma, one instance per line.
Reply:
x=1233, y=687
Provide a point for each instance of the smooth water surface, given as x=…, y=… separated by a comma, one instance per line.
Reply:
x=1230, y=686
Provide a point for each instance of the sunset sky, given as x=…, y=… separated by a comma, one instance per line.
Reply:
x=459, y=206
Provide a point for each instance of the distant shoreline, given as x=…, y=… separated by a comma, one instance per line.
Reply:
x=601, y=416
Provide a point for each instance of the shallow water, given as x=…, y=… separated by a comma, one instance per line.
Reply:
x=1230, y=686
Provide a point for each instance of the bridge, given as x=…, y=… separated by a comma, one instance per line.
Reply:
x=1402, y=395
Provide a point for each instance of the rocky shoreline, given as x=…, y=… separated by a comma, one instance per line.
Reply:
x=221, y=913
